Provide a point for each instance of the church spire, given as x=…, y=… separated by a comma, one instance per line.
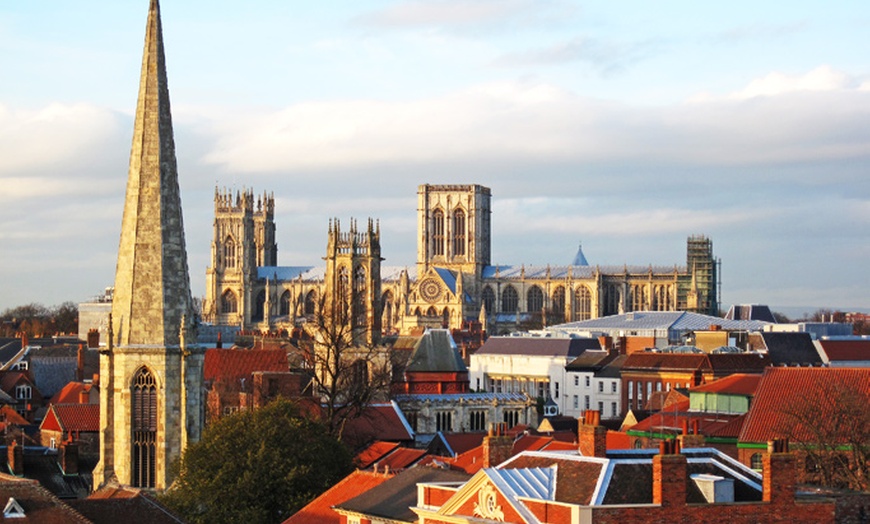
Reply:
x=152, y=285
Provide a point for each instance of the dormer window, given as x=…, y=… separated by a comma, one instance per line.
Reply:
x=23, y=392
x=13, y=510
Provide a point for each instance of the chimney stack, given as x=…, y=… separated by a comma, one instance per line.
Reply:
x=93, y=338
x=779, y=473
x=669, y=475
x=84, y=396
x=15, y=456
x=80, y=363
x=68, y=456
x=591, y=435
x=220, y=340
x=694, y=439
x=496, y=445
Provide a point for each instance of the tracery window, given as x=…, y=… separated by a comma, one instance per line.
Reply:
x=509, y=300
x=359, y=298
x=342, y=295
x=488, y=299
x=229, y=303
x=285, y=303
x=311, y=302
x=638, y=298
x=459, y=233
x=144, y=426
x=582, y=303
x=534, y=300
x=387, y=308
x=438, y=233
x=610, y=303
x=559, y=302
x=230, y=258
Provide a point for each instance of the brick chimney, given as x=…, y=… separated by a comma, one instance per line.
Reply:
x=591, y=435
x=693, y=439
x=220, y=341
x=84, y=397
x=93, y=338
x=68, y=457
x=669, y=475
x=15, y=457
x=80, y=363
x=24, y=340
x=779, y=473
x=496, y=445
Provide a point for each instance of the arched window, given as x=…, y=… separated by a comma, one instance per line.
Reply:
x=387, y=308
x=284, y=307
x=230, y=258
x=359, y=298
x=342, y=295
x=509, y=300
x=638, y=298
x=459, y=233
x=144, y=427
x=582, y=303
x=488, y=300
x=445, y=318
x=755, y=462
x=311, y=302
x=559, y=303
x=610, y=303
x=438, y=233
x=534, y=300
x=431, y=312
x=259, y=306
x=229, y=303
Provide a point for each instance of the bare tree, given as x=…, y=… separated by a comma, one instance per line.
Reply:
x=830, y=425
x=348, y=372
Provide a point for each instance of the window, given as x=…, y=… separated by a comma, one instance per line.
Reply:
x=459, y=233
x=613, y=411
x=478, y=384
x=284, y=308
x=588, y=381
x=23, y=392
x=230, y=253
x=360, y=311
x=613, y=386
x=310, y=303
x=649, y=386
x=556, y=396
x=412, y=418
x=630, y=390
x=586, y=402
x=534, y=300
x=755, y=461
x=53, y=443
x=559, y=302
x=576, y=380
x=601, y=386
x=582, y=303
x=488, y=299
x=144, y=426
x=444, y=421
x=509, y=300
x=576, y=401
x=658, y=386
x=229, y=304
x=601, y=408
x=21, y=365
x=477, y=420
x=511, y=417
x=438, y=233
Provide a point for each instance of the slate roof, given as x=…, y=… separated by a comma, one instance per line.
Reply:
x=508, y=272
x=720, y=363
x=591, y=360
x=319, y=510
x=436, y=352
x=750, y=312
x=791, y=349
x=39, y=505
x=236, y=364
x=811, y=394
x=846, y=350
x=393, y=498
x=316, y=273
x=538, y=346
x=674, y=322
x=40, y=464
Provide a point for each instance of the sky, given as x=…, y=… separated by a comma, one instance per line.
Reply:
x=627, y=126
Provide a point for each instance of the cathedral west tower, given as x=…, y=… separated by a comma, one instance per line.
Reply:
x=150, y=374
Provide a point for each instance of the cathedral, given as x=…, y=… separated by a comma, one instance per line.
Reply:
x=453, y=282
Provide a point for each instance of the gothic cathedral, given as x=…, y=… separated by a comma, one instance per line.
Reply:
x=453, y=281
x=151, y=371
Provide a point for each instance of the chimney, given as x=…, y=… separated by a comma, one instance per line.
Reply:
x=669, y=475
x=80, y=363
x=93, y=338
x=16, y=458
x=779, y=473
x=592, y=436
x=220, y=340
x=606, y=342
x=84, y=396
x=95, y=380
x=694, y=439
x=24, y=340
x=68, y=456
x=496, y=445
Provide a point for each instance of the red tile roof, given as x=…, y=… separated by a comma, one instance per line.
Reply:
x=74, y=417
x=374, y=452
x=736, y=384
x=400, y=459
x=236, y=364
x=462, y=442
x=377, y=422
x=71, y=393
x=319, y=510
x=670, y=420
x=846, y=350
x=795, y=403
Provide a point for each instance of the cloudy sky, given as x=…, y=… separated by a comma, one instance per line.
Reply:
x=627, y=126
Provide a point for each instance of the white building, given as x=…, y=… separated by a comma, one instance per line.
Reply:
x=592, y=382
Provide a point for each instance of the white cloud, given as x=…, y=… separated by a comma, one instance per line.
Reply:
x=822, y=78
x=464, y=14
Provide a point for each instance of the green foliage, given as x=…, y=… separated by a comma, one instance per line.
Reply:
x=257, y=467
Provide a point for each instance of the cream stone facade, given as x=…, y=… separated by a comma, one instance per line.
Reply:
x=453, y=280
x=151, y=402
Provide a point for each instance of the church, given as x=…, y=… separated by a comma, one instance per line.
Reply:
x=454, y=280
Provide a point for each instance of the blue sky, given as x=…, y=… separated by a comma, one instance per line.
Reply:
x=628, y=126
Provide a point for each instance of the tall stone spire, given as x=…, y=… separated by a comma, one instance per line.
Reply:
x=152, y=285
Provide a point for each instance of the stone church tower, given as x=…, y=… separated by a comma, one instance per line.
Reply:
x=244, y=239
x=453, y=227
x=151, y=378
x=353, y=280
